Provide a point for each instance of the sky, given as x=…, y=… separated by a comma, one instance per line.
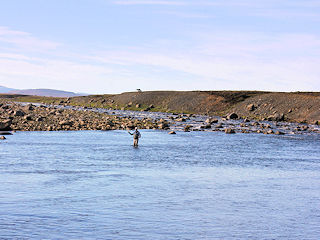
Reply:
x=114, y=46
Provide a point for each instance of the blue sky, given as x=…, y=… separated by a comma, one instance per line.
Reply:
x=113, y=46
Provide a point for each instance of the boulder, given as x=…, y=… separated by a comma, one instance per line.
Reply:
x=187, y=128
x=276, y=117
x=147, y=109
x=279, y=133
x=2, y=137
x=5, y=133
x=19, y=113
x=172, y=132
x=5, y=125
x=229, y=131
x=207, y=126
x=138, y=105
x=181, y=119
x=163, y=126
x=211, y=120
x=232, y=116
x=28, y=118
x=39, y=119
x=29, y=107
x=251, y=107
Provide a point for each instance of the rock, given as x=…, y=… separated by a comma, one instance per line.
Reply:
x=172, y=132
x=232, y=116
x=220, y=125
x=5, y=125
x=211, y=120
x=2, y=137
x=304, y=128
x=29, y=107
x=266, y=126
x=180, y=119
x=138, y=105
x=187, y=128
x=270, y=131
x=317, y=122
x=251, y=107
x=151, y=106
x=18, y=113
x=246, y=120
x=276, y=117
x=163, y=126
x=279, y=133
x=65, y=123
x=146, y=109
x=229, y=131
x=5, y=133
x=28, y=118
x=39, y=119
x=129, y=104
x=208, y=126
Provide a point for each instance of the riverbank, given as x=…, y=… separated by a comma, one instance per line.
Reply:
x=299, y=107
x=30, y=117
x=40, y=117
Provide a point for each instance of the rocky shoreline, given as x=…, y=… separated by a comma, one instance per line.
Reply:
x=30, y=117
x=39, y=117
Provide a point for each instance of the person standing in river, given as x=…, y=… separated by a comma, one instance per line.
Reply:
x=136, y=135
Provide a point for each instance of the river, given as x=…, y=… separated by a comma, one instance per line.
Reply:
x=192, y=185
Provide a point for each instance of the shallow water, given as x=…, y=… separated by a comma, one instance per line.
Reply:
x=197, y=185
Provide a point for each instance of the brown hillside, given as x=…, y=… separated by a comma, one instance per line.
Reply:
x=298, y=106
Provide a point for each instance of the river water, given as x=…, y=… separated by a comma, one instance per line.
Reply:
x=196, y=185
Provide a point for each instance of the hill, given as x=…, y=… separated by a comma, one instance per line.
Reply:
x=295, y=106
x=5, y=89
x=45, y=92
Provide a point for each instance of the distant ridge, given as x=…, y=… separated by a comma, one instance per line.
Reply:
x=5, y=89
x=46, y=93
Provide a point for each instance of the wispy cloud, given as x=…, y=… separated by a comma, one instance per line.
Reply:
x=201, y=60
x=25, y=40
x=232, y=61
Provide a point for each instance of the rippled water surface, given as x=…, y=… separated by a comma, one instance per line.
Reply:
x=197, y=185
